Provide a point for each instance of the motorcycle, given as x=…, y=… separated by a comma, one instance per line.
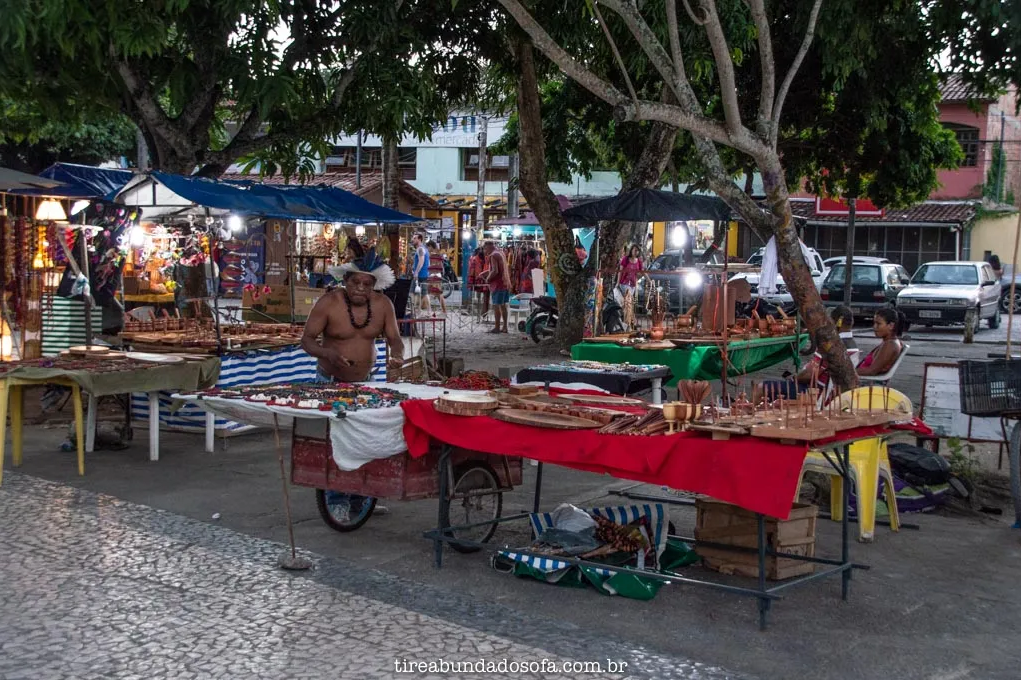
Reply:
x=542, y=321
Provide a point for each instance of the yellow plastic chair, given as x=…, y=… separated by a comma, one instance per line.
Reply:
x=869, y=463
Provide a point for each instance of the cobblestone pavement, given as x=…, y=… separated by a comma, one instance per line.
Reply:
x=95, y=587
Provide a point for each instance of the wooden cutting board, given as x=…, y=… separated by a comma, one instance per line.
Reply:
x=553, y=421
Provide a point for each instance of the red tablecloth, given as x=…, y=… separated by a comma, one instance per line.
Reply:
x=755, y=474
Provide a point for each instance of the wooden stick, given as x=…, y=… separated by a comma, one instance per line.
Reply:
x=870, y=399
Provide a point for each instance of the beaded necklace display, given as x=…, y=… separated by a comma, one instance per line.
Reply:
x=351, y=314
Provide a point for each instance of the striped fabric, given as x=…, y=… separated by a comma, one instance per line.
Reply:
x=64, y=324
x=290, y=364
x=656, y=513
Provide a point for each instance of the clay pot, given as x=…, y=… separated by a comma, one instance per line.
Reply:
x=657, y=333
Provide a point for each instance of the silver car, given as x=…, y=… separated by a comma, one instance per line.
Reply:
x=942, y=293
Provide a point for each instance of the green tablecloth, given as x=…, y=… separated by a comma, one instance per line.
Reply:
x=699, y=362
x=149, y=377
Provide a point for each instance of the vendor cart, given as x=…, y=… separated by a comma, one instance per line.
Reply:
x=476, y=482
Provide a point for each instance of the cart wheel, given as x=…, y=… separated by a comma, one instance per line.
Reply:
x=466, y=507
x=344, y=512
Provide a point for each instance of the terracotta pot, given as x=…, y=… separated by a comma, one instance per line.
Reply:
x=657, y=333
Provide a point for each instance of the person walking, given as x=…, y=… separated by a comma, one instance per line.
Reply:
x=420, y=270
x=435, y=269
x=630, y=265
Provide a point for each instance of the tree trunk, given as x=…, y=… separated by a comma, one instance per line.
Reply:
x=570, y=281
x=798, y=276
x=615, y=235
x=391, y=194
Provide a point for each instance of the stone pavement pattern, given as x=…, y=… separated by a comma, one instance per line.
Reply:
x=91, y=586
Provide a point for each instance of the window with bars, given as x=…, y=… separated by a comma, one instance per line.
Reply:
x=497, y=167
x=967, y=138
x=906, y=246
x=343, y=160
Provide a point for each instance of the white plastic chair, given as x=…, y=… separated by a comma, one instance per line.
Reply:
x=885, y=378
x=518, y=306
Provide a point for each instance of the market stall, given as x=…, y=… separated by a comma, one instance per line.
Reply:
x=749, y=456
x=614, y=377
x=409, y=441
x=698, y=361
x=98, y=372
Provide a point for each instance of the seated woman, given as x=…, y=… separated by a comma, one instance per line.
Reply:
x=789, y=388
x=888, y=324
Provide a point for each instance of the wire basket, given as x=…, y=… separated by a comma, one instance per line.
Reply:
x=990, y=388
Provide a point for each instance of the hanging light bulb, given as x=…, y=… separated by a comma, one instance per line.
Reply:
x=517, y=231
x=137, y=237
x=360, y=230
x=234, y=223
x=50, y=211
x=78, y=207
x=466, y=234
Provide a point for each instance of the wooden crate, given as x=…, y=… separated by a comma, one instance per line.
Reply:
x=720, y=522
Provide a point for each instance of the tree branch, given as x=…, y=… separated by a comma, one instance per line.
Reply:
x=789, y=78
x=560, y=57
x=647, y=39
x=675, y=39
x=145, y=103
x=616, y=54
x=767, y=62
x=724, y=67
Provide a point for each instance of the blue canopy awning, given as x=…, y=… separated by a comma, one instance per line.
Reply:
x=313, y=204
x=80, y=181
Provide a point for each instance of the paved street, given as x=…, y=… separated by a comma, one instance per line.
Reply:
x=94, y=587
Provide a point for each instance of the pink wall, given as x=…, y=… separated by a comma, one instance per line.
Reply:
x=965, y=182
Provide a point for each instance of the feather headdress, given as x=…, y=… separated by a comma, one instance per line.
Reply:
x=366, y=262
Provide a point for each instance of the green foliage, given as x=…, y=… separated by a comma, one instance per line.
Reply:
x=981, y=40
x=962, y=460
x=210, y=81
x=993, y=189
x=30, y=141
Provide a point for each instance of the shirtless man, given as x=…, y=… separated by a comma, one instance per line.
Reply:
x=350, y=319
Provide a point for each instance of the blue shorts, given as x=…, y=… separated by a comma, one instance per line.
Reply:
x=499, y=297
x=788, y=389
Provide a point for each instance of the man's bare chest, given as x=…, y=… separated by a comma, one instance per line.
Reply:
x=359, y=322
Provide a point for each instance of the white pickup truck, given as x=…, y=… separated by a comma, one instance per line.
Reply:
x=782, y=295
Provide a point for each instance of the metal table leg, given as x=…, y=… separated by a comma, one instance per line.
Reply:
x=443, y=507
x=538, y=487
x=657, y=386
x=763, y=601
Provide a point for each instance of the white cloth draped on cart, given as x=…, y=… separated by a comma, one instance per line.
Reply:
x=358, y=438
x=771, y=267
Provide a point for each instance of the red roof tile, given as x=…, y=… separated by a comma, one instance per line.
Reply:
x=931, y=212
x=952, y=88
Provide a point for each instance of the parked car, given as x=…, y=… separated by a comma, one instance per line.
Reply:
x=873, y=286
x=681, y=283
x=782, y=296
x=1005, y=291
x=830, y=262
x=942, y=293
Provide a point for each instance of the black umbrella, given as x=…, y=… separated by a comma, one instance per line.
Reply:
x=650, y=205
